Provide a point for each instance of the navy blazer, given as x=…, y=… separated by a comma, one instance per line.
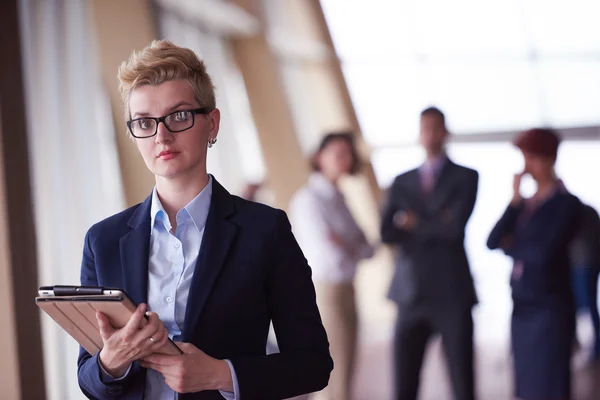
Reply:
x=540, y=242
x=432, y=269
x=250, y=271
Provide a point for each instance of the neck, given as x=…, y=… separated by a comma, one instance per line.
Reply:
x=432, y=155
x=547, y=184
x=176, y=193
x=332, y=179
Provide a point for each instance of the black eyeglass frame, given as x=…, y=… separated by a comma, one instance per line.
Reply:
x=202, y=110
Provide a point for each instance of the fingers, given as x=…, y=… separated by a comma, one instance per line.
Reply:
x=186, y=347
x=152, y=329
x=151, y=337
x=139, y=338
x=161, y=337
x=157, y=367
x=104, y=325
x=135, y=320
x=160, y=359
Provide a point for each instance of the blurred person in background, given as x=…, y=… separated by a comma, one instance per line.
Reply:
x=213, y=270
x=250, y=191
x=536, y=233
x=334, y=244
x=258, y=192
x=424, y=219
x=585, y=260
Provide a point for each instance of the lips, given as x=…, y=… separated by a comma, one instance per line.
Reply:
x=167, y=154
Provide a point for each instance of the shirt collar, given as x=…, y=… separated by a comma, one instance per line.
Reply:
x=322, y=185
x=534, y=202
x=435, y=164
x=196, y=210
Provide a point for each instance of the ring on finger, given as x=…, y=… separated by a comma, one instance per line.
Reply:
x=152, y=339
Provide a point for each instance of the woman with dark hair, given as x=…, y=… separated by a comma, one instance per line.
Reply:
x=537, y=233
x=333, y=243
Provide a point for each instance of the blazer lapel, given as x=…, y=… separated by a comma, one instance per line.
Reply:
x=415, y=194
x=218, y=236
x=442, y=184
x=135, y=253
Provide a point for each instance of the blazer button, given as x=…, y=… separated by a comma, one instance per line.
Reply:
x=115, y=390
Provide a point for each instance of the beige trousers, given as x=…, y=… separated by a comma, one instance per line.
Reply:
x=338, y=310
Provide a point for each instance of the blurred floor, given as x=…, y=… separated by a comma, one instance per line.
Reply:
x=374, y=375
x=373, y=379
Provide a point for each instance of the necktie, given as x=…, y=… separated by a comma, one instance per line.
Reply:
x=427, y=179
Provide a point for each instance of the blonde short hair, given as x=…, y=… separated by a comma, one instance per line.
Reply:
x=163, y=61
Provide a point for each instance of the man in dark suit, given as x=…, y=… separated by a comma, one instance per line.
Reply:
x=424, y=219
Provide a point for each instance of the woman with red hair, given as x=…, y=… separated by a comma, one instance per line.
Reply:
x=536, y=233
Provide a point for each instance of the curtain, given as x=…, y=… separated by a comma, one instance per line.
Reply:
x=74, y=161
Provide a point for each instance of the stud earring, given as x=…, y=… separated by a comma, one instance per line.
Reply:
x=211, y=142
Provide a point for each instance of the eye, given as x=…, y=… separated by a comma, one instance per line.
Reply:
x=180, y=116
x=144, y=123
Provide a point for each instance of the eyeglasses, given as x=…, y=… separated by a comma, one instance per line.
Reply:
x=178, y=121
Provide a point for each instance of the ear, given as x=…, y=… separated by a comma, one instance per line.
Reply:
x=214, y=118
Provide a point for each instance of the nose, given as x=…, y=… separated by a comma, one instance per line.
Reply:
x=163, y=135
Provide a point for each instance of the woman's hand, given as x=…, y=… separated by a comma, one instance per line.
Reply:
x=192, y=371
x=517, y=189
x=130, y=343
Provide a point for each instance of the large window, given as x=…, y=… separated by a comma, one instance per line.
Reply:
x=491, y=65
x=237, y=158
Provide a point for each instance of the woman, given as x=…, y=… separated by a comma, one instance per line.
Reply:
x=213, y=270
x=536, y=233
x=333, y=244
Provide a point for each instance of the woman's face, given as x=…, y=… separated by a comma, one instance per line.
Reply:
x=539, y=167
x=173, y=155
x=336, y=159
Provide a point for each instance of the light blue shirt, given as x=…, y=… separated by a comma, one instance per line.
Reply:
x=171, y=267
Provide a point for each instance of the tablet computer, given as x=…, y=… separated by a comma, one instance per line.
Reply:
x=74, y=309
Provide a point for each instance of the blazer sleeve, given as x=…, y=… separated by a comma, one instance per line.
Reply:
x=390, y=233
x=560, y=229
x=303, y=364
x=89, y=375
x=504, y=229
x=536, y=246
x=449, y=223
